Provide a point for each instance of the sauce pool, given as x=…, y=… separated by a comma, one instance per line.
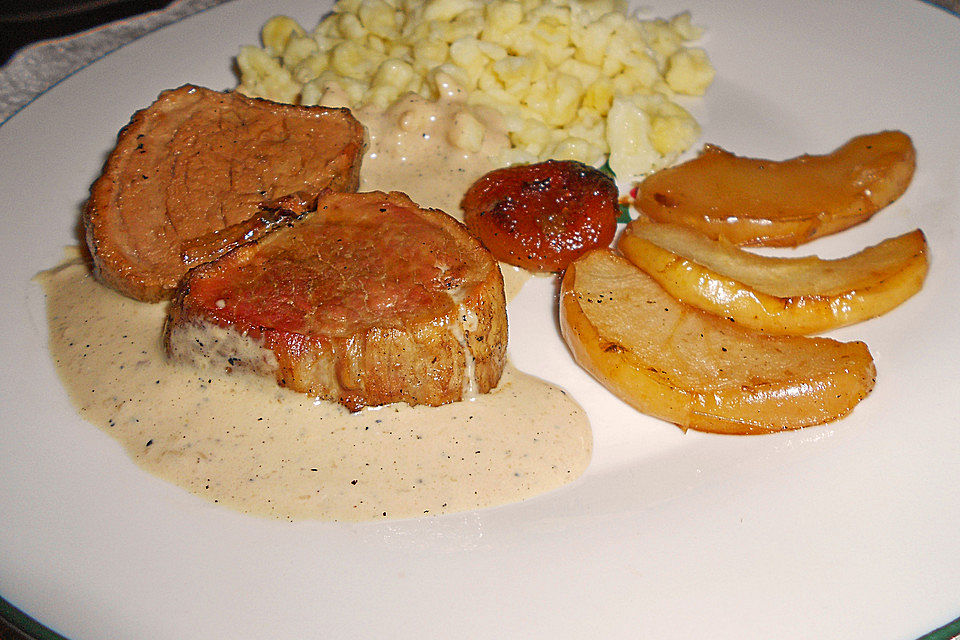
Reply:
x=241, y=441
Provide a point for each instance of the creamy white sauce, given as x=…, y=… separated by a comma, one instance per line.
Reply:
x=242, y=441
x=410, y=150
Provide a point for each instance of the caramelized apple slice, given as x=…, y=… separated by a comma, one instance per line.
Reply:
x=766, y=203
x=700, y=371
x=792, y=296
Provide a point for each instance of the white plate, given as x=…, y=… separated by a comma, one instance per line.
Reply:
x=843, y=531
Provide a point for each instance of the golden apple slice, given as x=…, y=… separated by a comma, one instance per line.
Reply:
x=672, y=361
x=768, y=203
x=792, y=296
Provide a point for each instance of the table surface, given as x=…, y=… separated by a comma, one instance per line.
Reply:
x=24, y=23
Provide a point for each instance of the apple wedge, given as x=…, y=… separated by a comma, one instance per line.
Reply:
x=755, y=202
x=699, y=371
x=787, y=296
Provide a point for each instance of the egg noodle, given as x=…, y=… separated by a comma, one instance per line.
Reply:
x=572, y=79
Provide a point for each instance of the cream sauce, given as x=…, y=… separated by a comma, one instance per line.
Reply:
x=411, y=149
x=242, y=441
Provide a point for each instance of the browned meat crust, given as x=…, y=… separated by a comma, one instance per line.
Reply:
x=190, y=175
x=368, y=300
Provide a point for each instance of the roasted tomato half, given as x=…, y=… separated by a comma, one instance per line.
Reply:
x=542, y=216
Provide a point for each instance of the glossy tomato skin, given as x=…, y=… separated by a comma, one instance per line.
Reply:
x=542, y=216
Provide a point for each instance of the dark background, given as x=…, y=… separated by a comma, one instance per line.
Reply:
x=25, y=21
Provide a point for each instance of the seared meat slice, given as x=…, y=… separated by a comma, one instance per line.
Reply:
x=368, y=300
x=191, y=173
